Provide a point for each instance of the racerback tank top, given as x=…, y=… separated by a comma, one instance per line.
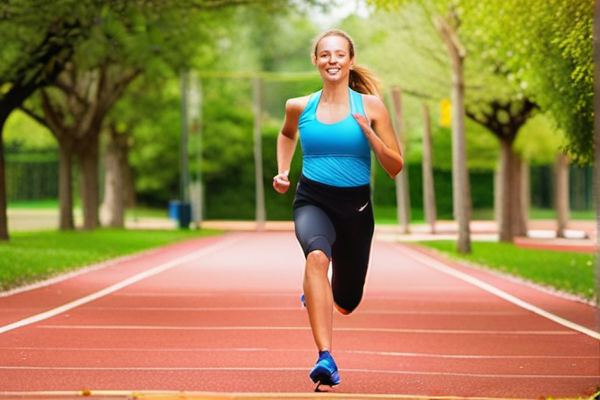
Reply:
x=335, y=154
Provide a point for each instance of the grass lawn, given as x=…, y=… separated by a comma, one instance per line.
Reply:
x=387, y=215
x=32, y=256
x=570, y=272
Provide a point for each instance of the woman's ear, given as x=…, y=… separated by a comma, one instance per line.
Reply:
x=314, y=59
x=352, y=62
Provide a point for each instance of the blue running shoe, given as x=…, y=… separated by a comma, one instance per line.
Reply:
x=325, y=371
x=303, y=301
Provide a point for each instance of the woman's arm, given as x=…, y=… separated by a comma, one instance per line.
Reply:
x=286, y=143
x=381, y=135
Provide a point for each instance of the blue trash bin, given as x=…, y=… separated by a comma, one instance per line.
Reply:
x=185, y=215
x=174, y=209
x=180, y=212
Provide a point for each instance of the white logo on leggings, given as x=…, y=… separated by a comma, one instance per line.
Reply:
x=363, y=207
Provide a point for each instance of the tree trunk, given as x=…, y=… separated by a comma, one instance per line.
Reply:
x=525, y=193
x=128, y=183
x=511, y=222
x=115, y=188
x=260, y=209
x=506, y=196
x=561, y=193
x=88, y=159
x=402, y=189
x=519, y=220
x=65, y=187
x=498, y=192
x=460, y=178
x=4, y=236
x=427, y=165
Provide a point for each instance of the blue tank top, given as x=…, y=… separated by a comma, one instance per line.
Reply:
x=335, y=154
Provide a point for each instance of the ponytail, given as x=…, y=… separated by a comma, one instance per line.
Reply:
x=364, y=81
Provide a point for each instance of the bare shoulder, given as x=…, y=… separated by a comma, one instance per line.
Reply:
x=296, y=105
x=373, y=106
x=293, y=110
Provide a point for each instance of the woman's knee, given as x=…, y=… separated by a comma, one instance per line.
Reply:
x=347, y=303
x=317, y=262
x=343, y=310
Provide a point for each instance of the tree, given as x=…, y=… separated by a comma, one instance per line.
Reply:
x=75, y=119
x=38, y=42
x=548, y=47
x=59, y=28
x=553, y=47
x=447, y=22
x=499, y=80
x=505, y=120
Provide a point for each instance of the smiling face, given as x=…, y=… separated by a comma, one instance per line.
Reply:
x=333, y=58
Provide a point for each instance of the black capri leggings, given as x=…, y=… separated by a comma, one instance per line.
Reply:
x=339, y=222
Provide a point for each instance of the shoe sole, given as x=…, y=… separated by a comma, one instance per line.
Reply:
x=323, y=377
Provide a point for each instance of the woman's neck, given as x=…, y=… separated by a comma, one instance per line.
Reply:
x=335, y=93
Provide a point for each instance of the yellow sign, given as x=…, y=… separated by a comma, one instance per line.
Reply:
x=445, y=113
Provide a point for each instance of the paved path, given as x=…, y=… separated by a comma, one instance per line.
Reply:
x=221, y=315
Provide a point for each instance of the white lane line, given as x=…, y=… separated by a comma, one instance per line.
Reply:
x=79, y=271
x=194, y=309
x=237, y=369
x=287, y=351
x=468, y=356
x=120, y=285
x=185, y=294
x=293, y=328
x=491, y=314
x=439, y=266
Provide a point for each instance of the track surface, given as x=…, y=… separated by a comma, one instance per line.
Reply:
x=223, y=315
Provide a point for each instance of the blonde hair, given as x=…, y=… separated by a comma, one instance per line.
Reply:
x=362, y=79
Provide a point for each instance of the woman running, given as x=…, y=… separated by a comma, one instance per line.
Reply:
x=333, y=216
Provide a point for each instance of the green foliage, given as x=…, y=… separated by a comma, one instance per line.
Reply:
x=565, y=271
x=404, y=49
x=539, y=49
x=152, y=117
x=29, y=27
x=22, y=131
x=32, y=256
x=548, y=47
x=539, y=140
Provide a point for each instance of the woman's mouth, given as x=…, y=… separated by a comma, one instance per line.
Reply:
x=332, y=71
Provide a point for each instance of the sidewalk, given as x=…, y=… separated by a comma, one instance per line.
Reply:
x=581, y=235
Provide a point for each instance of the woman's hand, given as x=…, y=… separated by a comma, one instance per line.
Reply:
x=384, y=142
x=364, y=124
x=281, y=182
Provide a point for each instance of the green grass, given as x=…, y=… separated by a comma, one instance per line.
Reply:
x=53, y=205
x=34, y=205
x=32, y=256
x=570, y=272
x=544, y=213
x=387, y=214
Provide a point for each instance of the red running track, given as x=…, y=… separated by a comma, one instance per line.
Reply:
x=223, y=315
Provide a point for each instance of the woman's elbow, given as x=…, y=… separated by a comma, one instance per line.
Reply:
x=395, y=169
